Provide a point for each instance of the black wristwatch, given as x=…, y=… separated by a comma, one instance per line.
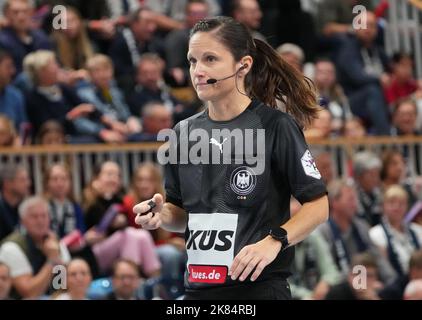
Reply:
x=280, y=234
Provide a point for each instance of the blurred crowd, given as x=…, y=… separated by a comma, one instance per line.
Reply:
x=114, y=71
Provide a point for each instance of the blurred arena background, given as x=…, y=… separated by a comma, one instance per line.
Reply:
x=85, y=87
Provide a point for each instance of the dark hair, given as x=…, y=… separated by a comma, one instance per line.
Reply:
x=47, y=177
x=271, y=78
x=135, y=16
x=387, y=158
x=128, y=262
x=9, y=172
x=4, y=54
x=323, y=59
x=48, y=127
x=399, y=56
x=402, y=101
x=365, y=259
x=416, y=260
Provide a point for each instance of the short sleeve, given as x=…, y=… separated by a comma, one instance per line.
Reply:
x=295, y=162
x=13, y=256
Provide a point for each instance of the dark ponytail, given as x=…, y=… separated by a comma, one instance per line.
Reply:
x=271, y=78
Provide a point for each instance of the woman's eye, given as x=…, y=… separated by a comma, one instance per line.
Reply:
x=191, y=61
x=210, y=58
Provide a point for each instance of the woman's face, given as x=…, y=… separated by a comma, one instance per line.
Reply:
x=73, y=25
x=325, y=75
x=144, y=183
x=48, y=75
x=396, y=167
x=109, y=178
x=78, y=277
x=395, y=209
x=209, y=58
x=101, y=75
x=52, y=138
x=6, y=136
x=59, y=182
x=353, y=129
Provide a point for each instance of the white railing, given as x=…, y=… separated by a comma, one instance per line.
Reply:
x=403, y=30
x=83, y=158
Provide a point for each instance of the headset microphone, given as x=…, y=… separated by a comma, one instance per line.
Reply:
x=212, y=80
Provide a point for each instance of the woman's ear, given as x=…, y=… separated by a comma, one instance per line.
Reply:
x=246, y=64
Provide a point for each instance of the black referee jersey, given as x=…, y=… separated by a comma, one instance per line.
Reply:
x=231, y=205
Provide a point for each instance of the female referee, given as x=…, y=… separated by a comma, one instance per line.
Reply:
x=235, y=216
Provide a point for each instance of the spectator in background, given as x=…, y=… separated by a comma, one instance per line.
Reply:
x=352, y=288
x=362, y=70
x=405, y=115
x=73, y=47
x=366, y=171
x=126, y=281
x=18, y=37
x=321, y=126
x=12, y=103
x=14, y=187
x=348, y=235
x=51, y=100
x=8, y=136
x=314, y=269
x=32, y=254
x=335, y=17
x=175, y=9
x=100, y=25
x=396, y=239
x=331, y=94
x=131, y=43
x=353, y=128
x=249, y=13
x=155, y=117
x=5, y=281
x=293, y=55
x=176, y=42
x=290, y=24
x=393, y=172
x=51, y=133
x=150, y=87
x=66, y=214
x=402, y=83
x=395, y=290
x=118, y=240
x=147, y=181
x=116, y=123
x=120, y=9
x=78, y=276
x=324, y=163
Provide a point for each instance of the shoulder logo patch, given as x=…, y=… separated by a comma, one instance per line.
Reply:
x=309, y=166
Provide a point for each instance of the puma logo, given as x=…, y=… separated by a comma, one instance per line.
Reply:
x=219, y=145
